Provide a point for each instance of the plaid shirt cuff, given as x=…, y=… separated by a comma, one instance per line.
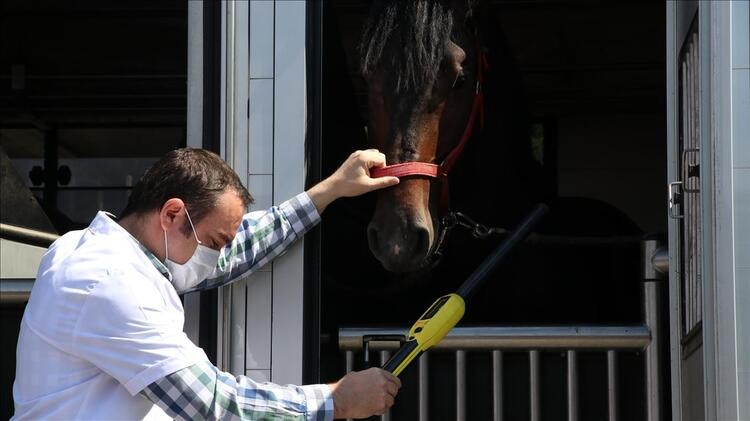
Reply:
x=301, y=213
x=319, y=402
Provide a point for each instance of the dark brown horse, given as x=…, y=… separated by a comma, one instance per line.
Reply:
x=419, y=59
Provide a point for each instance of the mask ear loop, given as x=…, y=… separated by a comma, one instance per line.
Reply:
x=166, y=249
x=195, y=234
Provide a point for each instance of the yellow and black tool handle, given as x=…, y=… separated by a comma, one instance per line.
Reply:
x=444, y=313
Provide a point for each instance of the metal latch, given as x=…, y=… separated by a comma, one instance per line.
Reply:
x=675, y=200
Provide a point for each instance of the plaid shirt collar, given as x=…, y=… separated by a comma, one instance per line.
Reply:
x=154, y=260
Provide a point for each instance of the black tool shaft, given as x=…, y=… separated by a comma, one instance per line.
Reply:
x=501, y=252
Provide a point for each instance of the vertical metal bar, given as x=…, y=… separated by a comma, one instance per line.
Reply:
x=652, y=317
x=690, y=196
x=349, y=366
x=497, y=385
x=226, y=327
x=534, y=383
x=385, y=355
x=349, y=361
x=687, y=224
x=424, y=399
x=572, y=385
x=697, y=198
x=226, y=291
x=612, y=384
x=460, y=385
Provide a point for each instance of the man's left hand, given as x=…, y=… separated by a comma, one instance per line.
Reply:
x=352, y=178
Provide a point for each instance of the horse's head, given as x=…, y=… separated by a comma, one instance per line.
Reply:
x=418, y=58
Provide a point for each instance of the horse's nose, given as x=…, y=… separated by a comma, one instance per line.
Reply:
x=399, y=248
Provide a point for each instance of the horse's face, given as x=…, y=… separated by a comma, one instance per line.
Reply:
x=415, y=125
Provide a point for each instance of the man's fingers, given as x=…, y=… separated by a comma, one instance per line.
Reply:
x=382, y=182
x=391, y=388
x=373, y=158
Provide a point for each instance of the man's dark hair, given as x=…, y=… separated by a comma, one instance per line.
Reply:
x=196, y=176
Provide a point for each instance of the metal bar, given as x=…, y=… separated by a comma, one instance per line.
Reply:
x=652, y=316
x=527, y=337
x=27, y=236
x=226, y=291
x=13, y=291
x=612, y=384
x=424, y=387
x=534, y=384
x=460, y=385
x=572, y=385
x=385, y=355
x=497, y=385
x=349, y=366
x=349, y=361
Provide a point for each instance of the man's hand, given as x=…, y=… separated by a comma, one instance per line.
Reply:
x=361, y=394
x=351, y=179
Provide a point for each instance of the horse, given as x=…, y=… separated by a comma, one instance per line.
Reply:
x=422, y=62
x=386, y=256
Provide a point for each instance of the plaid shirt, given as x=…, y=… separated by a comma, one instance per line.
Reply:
x=202, y=391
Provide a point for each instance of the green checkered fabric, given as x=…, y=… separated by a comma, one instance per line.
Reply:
x=202, y=391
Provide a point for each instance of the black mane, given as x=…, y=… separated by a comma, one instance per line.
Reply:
x=419, y=31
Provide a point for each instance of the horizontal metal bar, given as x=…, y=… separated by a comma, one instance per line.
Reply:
x=513, y=337
x=15, y=290
x=27, y=235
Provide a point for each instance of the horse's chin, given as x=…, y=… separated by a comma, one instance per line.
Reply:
x=413, y=268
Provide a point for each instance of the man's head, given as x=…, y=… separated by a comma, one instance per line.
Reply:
x=196, y=180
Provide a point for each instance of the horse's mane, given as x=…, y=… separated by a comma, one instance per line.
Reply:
x=420, y=31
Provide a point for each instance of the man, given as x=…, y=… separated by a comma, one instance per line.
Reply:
x=102, y=338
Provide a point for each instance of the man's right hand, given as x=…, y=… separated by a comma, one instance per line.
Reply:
x=361, y=394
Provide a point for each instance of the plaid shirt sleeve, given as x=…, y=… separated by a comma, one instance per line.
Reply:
x=261, y=237
x=201, y=391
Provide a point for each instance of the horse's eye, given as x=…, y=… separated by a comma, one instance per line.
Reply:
x=460, y=80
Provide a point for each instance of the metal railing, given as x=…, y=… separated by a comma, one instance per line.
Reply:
x=496, y=340
x=27, y=235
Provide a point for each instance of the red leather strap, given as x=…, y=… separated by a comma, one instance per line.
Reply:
x=425, y=169
x=476, y=108
x=408, y=169
x=441, y=171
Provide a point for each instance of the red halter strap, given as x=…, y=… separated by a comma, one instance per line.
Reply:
x=426, y=169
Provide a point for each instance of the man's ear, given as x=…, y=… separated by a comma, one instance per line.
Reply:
x=169, y=212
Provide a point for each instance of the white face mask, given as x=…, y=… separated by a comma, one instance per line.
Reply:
x=196, y=269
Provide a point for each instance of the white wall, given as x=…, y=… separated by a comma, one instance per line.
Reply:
x=269, y=155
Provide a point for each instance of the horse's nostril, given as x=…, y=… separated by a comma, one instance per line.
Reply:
x=422, y=244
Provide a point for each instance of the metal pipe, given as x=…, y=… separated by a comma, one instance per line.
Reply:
x=491, y=338
x=385, y=355
x=572, y=385
x=424, y=387
x=612, y=384
x=460, y=385
x=652, y=316
x=534, y=384
x=226, y=291
x=27, y=236
x=660, y=261
x=654, y=260
x=349, y=361
x=497, y=385
x=14, y=291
